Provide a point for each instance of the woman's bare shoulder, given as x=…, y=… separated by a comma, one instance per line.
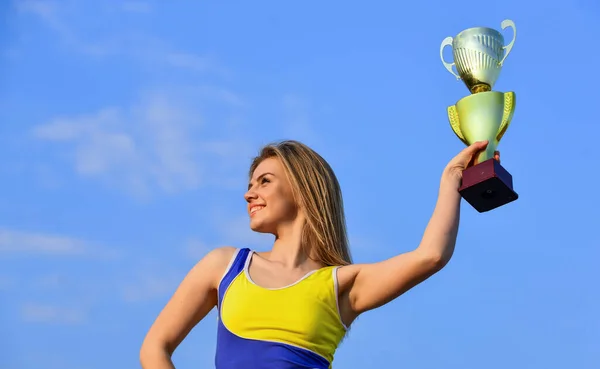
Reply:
x=214, y=263
x=221, y=254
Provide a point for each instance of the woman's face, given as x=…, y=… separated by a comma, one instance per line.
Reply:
x=269, y=197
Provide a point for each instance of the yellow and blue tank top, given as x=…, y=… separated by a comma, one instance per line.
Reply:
x=293, y=327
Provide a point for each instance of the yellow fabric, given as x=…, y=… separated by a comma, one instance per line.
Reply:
x=304, y=314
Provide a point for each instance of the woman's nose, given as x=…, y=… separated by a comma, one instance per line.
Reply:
x=249, y=195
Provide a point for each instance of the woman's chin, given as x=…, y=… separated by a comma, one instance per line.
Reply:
x=260, y=227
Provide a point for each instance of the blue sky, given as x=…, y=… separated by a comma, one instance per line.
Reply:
x=127, y=129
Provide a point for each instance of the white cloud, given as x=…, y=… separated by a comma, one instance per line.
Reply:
x=66, y=19
x=15, y=241
x=30, y=243
x=52, y=15
x=43, y=313
x=45, y=10
x=154, y=145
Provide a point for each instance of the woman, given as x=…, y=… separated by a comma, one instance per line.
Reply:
x=290, y=307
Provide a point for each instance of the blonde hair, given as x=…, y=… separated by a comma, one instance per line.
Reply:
x=317, y=191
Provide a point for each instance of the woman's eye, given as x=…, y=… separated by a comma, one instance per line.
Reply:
x=264, y=180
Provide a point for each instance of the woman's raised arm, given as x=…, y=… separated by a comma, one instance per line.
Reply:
x=368, y=286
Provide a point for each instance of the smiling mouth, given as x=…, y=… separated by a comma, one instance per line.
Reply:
x=255, y=209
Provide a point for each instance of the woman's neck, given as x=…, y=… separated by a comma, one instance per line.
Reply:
x=288, y=249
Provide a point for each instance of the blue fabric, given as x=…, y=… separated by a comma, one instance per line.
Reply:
x=236, y=268
x=234, y=352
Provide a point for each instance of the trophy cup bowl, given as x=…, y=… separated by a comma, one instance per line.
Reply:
x=479, y=54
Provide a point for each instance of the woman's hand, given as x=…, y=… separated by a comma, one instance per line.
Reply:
x=466, y=158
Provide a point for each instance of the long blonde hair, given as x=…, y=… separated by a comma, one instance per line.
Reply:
x=317, y=191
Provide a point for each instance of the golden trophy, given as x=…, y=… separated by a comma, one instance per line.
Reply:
x=479, y=54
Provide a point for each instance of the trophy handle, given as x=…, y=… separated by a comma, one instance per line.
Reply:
x=447, y=42
x=510, y=102
x=508, y=23
x=455, y=123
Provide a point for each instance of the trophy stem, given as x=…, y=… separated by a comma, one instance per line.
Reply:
x=487, y=154
x=481, y=87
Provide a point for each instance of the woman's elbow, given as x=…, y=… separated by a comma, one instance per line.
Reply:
x=437, y=262
x=146, y=352
x=152, y=352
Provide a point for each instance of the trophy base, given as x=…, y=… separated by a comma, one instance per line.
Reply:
x=487, y=186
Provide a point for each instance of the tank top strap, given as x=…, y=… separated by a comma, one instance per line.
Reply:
x=235, y=267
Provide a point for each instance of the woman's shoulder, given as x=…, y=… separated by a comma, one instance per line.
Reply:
x=216, y=261
x=222, y=253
